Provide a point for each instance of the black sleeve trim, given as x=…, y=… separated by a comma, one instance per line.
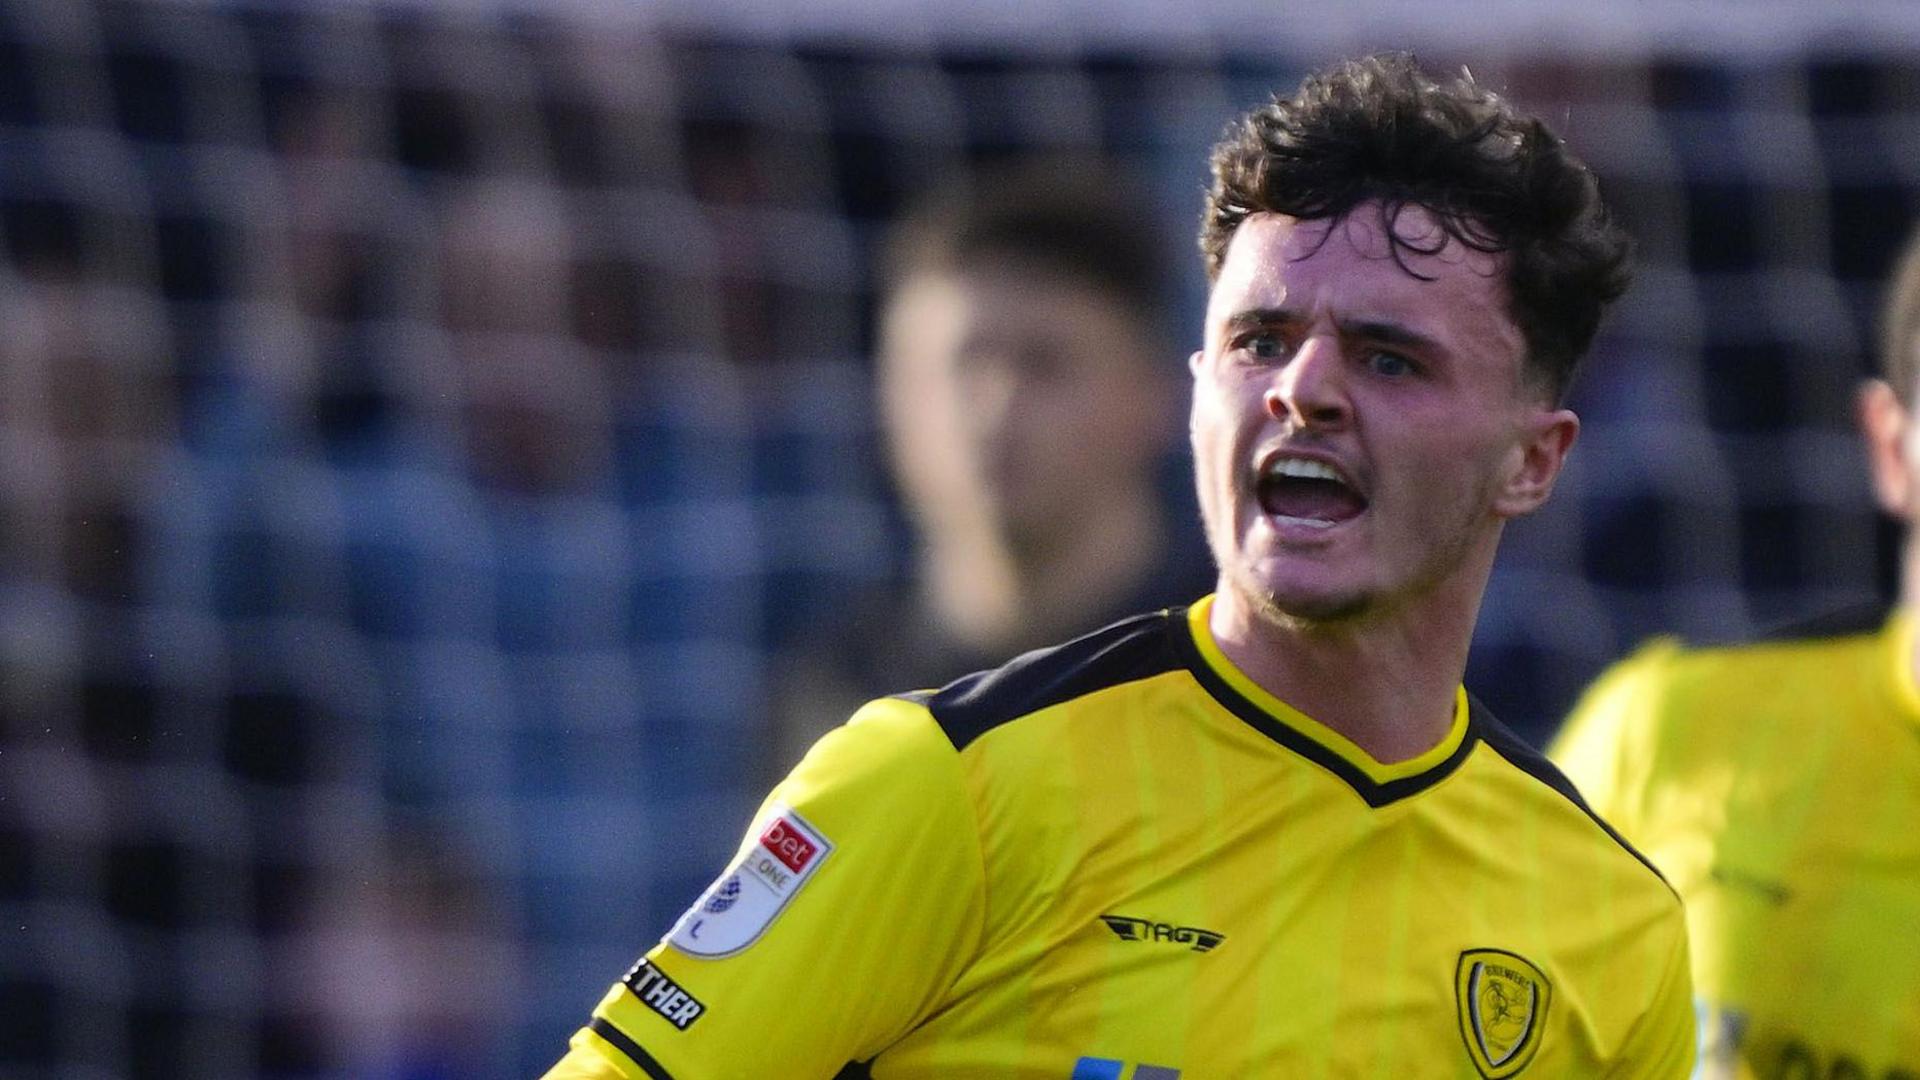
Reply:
x=1375, y=793
x=1134, y=649
x=1851, y=620
x=1846, y=622
x=625, y=1044
x=855, y=1070
x=1530, y=761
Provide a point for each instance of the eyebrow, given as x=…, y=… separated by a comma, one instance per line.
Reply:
x=1380, y=330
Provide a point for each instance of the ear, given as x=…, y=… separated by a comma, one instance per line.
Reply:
x=1885, y=423
x=1198, y=358
x=1534, y=463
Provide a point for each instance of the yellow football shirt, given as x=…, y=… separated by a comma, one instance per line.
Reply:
x=1778, y=787
x=1121, y=860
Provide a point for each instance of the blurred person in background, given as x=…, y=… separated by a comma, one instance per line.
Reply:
x=1027, y=411
x=318, y=451
x=458, y=503
x=1777, y=785
x=386, y=513
x=1270, y=833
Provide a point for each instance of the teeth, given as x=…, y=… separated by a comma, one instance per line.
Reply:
x=1311, y=523
x=1304, y=469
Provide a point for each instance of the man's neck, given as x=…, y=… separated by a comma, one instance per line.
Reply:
x=1386, y=683
x=995, y=597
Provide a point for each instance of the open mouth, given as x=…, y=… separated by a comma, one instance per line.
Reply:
x=1302, y=491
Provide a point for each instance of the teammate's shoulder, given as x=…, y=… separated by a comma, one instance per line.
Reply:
x=1839, y=629
x=1126, y=651
x=1672, y=658
x=1809, y=646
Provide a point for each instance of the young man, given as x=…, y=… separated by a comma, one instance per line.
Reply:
x=1778, y=785
x=1268, y=835
x=1028, y=407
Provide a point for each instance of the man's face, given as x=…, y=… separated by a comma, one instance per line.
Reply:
x=1360, y=434
x=1015, y=399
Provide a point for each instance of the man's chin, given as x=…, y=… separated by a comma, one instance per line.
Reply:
x=1297, y=607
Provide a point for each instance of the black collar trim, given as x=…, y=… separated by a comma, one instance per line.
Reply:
x=1376, y=793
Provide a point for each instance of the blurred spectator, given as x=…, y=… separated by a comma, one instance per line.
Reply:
x=159, y=857
x=524, y=562
x=434, y=521
x=1028, y=400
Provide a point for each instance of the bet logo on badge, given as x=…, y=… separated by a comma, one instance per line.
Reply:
x=738, y=907
x=1503, y=1003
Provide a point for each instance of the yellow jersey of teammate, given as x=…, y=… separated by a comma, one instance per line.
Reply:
x=1778, y=787
x=1121, y=860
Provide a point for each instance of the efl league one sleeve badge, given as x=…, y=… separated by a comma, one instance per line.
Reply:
x=736, y=909
x=1503, y=1008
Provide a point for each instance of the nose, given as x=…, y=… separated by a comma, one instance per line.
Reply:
x=1310, y=390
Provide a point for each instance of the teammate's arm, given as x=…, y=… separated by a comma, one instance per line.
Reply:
x=854, y=904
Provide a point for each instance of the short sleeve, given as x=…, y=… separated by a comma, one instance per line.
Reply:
x=1664, y=1043
x=853, y=905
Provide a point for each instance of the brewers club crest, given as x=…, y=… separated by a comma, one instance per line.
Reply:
x=1503, y=1003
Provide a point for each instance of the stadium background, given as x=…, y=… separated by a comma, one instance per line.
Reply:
x=422, y=421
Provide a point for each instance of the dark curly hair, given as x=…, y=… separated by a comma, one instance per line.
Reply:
x=1380, y=129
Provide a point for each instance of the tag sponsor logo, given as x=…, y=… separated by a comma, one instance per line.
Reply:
x=663, y=995
x=738, y=907
x=1128, y=928
x=1503, y=1003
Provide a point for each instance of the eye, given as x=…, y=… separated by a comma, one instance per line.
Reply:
x=1263, y=344
x=1391, y=364
x=1040, y=365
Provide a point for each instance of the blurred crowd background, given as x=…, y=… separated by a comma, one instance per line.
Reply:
x=427, y=432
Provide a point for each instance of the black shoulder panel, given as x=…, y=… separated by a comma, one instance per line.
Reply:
x=1865, y=617
x=1846, y=622
x=1136, y=648
x=1530, y=761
